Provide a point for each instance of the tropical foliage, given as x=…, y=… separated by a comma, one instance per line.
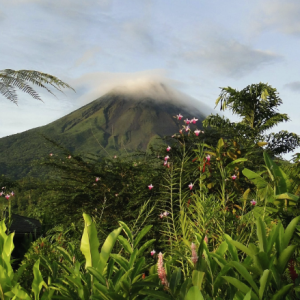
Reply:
x=206, y=217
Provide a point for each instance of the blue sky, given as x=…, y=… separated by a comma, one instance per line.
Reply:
x=194, y=46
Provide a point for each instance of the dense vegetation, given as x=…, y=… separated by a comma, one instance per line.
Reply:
x=215, y=215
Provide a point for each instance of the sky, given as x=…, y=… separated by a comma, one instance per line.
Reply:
x=194, y=46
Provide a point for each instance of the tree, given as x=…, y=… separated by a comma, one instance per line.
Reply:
x=257, y=105
x=11, y=79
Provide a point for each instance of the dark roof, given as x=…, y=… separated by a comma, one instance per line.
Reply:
x=23, y=225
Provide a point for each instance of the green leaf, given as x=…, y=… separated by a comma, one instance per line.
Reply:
x=232, y=250
x=175, y=279
x=240, y=285
x=157, y=294
x=248, y=296
x=90, y=243
x=121, y=261
x=127, y=231
x=107, y=248
x=245, y=274
x=261, y=234
x=289, y=232
x=194, y=294
x=284, y=258
x=96, y=275
x=38, y=281
x=125, y=244
x=242, y=247
x=282, y=292
x=141, y=234
x=264, y=282
x=144, y=247
x=197, y=278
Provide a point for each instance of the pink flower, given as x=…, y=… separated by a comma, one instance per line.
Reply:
x=150, y=187
x=7, y=196
x=161, y=215
x=51, y=154
x=187, y=128
x=165, y=163
x=69, y=156
x=116, y=195
x=233, y=177
x=167, y=157
x=1, y=193
x=197, y=132
x=115, y=156
x=153, y=252
x=191, y=186
x=161, y=270
x=180, y=131
x=168, y=148
x=206, y=239
x=194, y=120
x=253, y=202
x=97, y=178
x=3, y=187
x=168, y=165
x=179, y=117
x=165, y=214
x=12, y=193
x=187, y=121
x=194, y=254
x=208, y=158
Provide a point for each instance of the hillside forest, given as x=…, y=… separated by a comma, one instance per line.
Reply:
x=207, y=214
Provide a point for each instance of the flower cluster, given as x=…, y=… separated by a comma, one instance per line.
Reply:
x=8, y=195
x=164, y=214
x=187, y=126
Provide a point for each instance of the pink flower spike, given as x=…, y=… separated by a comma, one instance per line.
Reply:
x=187, y=121
x=206, y=239
x=153, y=252
x=194, y=120
x=150, y=187
x=233, y=177
x=161, y=270
x=167, y=157
x=253, y=202
x=194, y=254
x=208, y=158
x=7, y=196
x=168, y=148
x=197, y=132
x=97, y=178
x=191, y=186
x=179, y=117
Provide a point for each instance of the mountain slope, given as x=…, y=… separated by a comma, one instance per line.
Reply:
x=110, y=125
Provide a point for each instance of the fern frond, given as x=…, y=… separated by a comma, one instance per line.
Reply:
x=8, y=92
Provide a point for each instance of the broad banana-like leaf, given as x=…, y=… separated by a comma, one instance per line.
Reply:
x=194, y=294
x=197, y=278
x=283, y=184
x=38, y=281
x=107, y=248
x=265, y=190
x=90, y=243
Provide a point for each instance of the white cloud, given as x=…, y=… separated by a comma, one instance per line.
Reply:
x=293, y=86
x=280, y=15
x=229, y=57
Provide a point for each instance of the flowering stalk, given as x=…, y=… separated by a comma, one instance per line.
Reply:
x=161, y=270
x=194, y=254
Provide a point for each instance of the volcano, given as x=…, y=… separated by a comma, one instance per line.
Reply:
x=122, y=120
